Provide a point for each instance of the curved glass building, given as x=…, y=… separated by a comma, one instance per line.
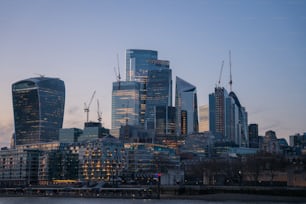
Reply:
x=187, y=107
x=38, y=109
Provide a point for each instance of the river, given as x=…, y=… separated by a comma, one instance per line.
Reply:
x=50, y=200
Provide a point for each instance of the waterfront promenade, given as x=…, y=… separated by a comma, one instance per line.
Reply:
x=209, y=193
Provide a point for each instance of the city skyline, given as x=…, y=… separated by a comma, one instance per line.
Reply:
x=78, y=41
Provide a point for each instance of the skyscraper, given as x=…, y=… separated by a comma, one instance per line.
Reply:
x=159, y=93
x=186, y=107
x=38, y=109
x=253, y=136
x=238, y=122
x=125, y=105
x=165, y=123
x=139, y=65
x=217, y=101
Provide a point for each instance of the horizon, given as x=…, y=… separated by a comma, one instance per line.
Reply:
x=78, y=42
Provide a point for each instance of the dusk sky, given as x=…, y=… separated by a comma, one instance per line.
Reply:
x=78, y=42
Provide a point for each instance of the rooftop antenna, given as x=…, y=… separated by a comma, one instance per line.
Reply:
x=220, y=73
x=230, y=65
x=99, y=112
x=86, y=107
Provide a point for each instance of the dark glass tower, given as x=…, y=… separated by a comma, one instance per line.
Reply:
x=159, y=93
x=186, y=107
x=142, y=66
x=253, y=136
x=138, y=63
x=38, y=109
x=165, y=123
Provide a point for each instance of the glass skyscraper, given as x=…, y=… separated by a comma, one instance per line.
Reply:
x=186, y=107
x=159, y=93
x=165, y=118
x=125, y=105
x=217, y=104
x=138, y=63
x=253, y=136
x=38, y=109
x=239, y=122
x=143, y=66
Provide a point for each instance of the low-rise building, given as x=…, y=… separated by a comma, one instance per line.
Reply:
x=101, y=160
x=19, y=167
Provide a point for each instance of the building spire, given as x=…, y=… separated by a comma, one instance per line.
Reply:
x=230, y=65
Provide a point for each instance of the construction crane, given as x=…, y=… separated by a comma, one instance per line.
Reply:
x=230, y=65
x=99, y=112
x=221, y=70
x=86, y=107
x=118, y=76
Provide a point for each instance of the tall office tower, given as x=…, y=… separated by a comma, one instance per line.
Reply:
x=253, y=136
x=186, y=107
x=238, y=122
x=217, y=104
x=204, y=118
x=125, y=105
x=38, y=109
x=159, y=93
x=138, y=65
x=227, y=118
x=165, y=118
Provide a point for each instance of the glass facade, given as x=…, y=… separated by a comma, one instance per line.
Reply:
x=138, y=65
x=165, y=124
x=187, y=107
x=125, y=105
x=217, y=111
x=253, y=136
x=159, y=93
x=38, y=109
x=239, y=122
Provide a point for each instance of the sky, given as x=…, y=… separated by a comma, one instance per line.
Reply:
x=78, y=41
